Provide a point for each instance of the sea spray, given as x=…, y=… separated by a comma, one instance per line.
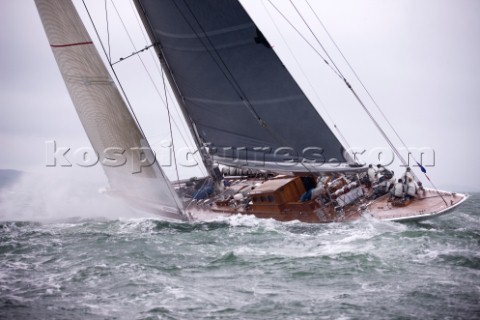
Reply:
x=90, y=262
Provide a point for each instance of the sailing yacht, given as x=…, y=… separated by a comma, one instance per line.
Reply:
x=267, y=151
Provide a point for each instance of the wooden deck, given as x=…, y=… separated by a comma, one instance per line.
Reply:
x=423, y=207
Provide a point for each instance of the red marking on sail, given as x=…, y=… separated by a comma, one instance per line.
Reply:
x=70, y=44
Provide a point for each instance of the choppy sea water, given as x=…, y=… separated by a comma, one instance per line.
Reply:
x=238, y=268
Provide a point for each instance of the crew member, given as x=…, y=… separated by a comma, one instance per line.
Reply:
x=407, y=175
x=372, y=174
x=411, y=189
x=421, y=189
x=398, y=190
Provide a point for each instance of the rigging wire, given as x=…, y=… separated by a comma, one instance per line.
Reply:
x=113, y=70
x=155, y=60
x=340, y=74
x=170, y=125
x=307, y=78
x=305, y=39
x=133, y=54
x=316, y=38
x=360, y=81
x=154, y=84
x=128, y=101
x=369, y=95
x=109, y=57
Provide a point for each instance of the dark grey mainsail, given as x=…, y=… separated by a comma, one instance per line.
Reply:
x=235, y=91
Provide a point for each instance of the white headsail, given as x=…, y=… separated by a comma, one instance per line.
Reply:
x=123, y=150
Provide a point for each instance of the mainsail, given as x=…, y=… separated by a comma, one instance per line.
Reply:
x=239, y=98
x=123, y=151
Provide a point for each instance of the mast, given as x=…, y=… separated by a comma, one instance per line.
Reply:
x=123, y=151
x=206, y=158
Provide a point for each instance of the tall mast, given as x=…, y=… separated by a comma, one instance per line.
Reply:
x=206, y=158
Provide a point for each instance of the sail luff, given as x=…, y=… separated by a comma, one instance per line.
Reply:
x=206, y=159
x=123, y=151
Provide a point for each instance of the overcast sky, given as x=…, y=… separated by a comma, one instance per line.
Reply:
x=419, y=59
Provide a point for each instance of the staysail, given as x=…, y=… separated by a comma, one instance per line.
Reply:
x=123, y=151
x=240, y=99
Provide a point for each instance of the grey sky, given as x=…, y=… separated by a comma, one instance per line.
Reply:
x=419, y=59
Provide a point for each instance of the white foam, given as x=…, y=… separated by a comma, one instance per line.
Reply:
x=37, y=197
